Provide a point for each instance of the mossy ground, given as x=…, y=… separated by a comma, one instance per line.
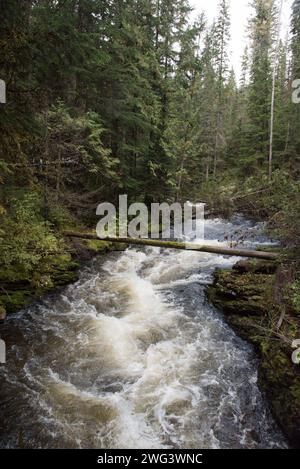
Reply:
x=246, y=296
x=19, y=288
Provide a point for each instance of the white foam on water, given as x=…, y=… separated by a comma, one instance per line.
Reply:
x=117, y=361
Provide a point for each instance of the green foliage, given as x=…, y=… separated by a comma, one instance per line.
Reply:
x=59, y=217
x=132, y=97
x=25, y=238
x=292, y=296
x=71, y=151
x=256, y=131
x=284, y=204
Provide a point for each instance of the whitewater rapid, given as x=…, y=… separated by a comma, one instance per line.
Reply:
x=133, y=356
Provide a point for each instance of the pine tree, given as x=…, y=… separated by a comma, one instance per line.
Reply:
x=207, y=106
x=180, y=137
x=274, y=73
x=281, y=110
x=260, y=85
x=244, y=80
x=16, y=116
x=221, y=38
x=294, y=137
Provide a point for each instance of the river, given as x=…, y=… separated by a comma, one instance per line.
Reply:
x=133, y=356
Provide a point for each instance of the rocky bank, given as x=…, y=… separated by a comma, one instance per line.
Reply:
x=250, y=298
x=19, y=288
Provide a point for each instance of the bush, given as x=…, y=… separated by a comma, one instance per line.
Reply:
x=25, y=238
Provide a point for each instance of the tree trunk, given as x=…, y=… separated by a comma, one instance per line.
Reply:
x=179, y=246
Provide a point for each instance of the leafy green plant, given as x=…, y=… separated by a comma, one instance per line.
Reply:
x=25, y=238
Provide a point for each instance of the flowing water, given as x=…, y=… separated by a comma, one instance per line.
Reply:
x=133, y=356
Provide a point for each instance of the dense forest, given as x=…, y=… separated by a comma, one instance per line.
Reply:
x=132, y=96
x=140, y=97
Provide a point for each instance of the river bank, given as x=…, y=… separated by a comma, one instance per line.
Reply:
x=247, y=295
x=133, y=355
x=251, y=298
x=19, y=288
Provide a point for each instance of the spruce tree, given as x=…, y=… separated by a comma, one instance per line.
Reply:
x=295, y=75
x=260, y=85
x=221, y=40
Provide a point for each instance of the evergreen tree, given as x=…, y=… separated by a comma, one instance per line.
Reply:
x=182, y=130
x=294, y=137
x=207, y=107
x=260, y=85
x=281, y=111
x=221, y=38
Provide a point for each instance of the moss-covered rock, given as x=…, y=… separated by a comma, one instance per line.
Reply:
x=16, y=300
x=279, y=378
x=19, y=288
x=256, y=266
x=85, y=249
x=246, y=296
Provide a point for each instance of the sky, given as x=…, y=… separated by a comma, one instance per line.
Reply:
x=240, y=13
